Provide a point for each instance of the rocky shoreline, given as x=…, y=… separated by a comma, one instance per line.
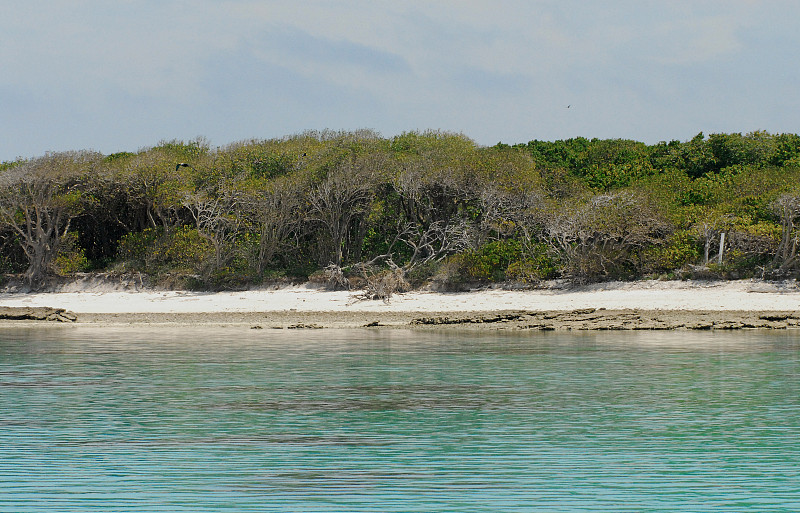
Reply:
x=602, y=319
x=36, y=313
x=578, y=319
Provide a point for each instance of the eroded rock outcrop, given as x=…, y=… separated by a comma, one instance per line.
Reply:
x=36, y=313
x=601, y=319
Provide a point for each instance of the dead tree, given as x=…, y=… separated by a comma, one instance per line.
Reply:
x=339, y=200
x=787, y=207
x=274, y=211
x=600, y=238
x=217, y=221
x=38, y=200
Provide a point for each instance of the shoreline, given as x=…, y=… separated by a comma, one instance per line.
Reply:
x=552, y=320
x=651, y=305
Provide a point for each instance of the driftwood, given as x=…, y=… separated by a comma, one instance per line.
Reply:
x=36, y=313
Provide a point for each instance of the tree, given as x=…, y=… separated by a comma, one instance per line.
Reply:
x=601, y=238
x=38, y=200
x=787, y=206
x=274, y=211
x=434, y=205
x=216, y=216
x=341, y=200
x=155, y=188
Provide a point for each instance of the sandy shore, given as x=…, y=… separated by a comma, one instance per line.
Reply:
x=638, y=305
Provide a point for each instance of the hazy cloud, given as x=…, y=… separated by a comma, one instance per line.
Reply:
x=119, y=75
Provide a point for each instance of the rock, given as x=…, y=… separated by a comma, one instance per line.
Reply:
x=775, y=316
x=500, y=318
x=301, y=326
x=36, y=313
x=435, y=321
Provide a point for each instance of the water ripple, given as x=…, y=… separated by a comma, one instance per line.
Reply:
x=399, y=422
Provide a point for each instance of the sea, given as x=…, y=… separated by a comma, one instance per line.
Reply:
x=231, y=419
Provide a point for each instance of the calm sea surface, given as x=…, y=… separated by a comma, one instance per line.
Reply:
x=227, y=419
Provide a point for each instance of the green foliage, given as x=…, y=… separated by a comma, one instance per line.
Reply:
x=681, y=249
x=70, y=258
x=259, y=160
x=601, y=164
x=787, y=150
x=487, y=263
x=12, y=257
x=119, y=156
x=154, y=250
x=431, y=143
x=754, y=149
x=614, y=163
x=184, y=150
x=497, y=261
x=537, y=265
x=422, y=274
x=8, y=164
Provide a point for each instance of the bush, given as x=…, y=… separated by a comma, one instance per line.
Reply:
x=534, y=268
x=154, y=250
x=487, y=263
x=71, y=258
x=681, y=249
x=227, y=278
x=12, y=257
x=421, y=274
x=383, y=285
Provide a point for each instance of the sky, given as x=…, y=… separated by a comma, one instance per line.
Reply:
x=124, y=75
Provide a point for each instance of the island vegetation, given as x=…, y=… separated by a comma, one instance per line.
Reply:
x=381, y=215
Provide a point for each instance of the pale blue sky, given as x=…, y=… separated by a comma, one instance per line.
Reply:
x=119, y=75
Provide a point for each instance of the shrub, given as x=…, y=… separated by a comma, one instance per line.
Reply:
x=71, y=258
x=421, y=274
x=154, y=250
x=681, y=249
x=12, y=257
x=487, y=263
x=536, y=267
x=498, y=261
x=382, y=285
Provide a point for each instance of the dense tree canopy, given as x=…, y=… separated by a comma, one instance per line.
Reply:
x=354, y=207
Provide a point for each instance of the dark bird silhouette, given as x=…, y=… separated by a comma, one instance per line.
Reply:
x=180, y=165
x=570, y=105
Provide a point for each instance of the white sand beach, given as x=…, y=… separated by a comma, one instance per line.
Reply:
x=743, y=295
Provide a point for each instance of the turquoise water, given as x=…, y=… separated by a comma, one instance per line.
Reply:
x=243, y=420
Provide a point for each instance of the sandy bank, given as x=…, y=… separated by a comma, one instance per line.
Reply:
x=638, y=305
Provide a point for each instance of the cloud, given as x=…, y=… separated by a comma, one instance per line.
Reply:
x=117, y=75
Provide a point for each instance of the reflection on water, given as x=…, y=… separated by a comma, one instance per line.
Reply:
x=236, y=420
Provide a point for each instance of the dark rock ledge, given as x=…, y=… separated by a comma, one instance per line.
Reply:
x=36, y=313
x=602, y=319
